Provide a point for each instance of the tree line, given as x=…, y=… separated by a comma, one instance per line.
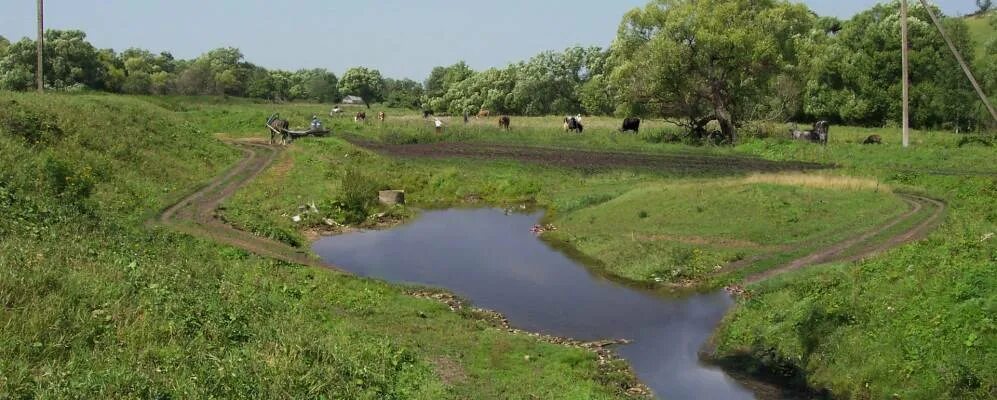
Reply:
x=729, y=61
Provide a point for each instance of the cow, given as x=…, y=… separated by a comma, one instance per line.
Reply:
x=484, y=113
x=426, y=114
x=631, y=124
x=503, y=122
x=278, y=126
x=821, y=129
x=381, y=116
x=818, y=134
x=873, y=139
x=360, y=117
x=335, y=110
x=573, y=124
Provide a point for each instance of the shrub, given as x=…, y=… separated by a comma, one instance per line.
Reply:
x=357, y=198
x=27, y=124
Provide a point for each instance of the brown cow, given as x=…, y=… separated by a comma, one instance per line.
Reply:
x=360, y=117
x=381, y=116
x=504, y=122
x=483, y=113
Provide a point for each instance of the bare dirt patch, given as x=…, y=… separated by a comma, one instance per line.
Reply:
x=585, y=159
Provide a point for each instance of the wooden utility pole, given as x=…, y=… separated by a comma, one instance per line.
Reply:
x=906, y=72
x=41, y=46
x=962, y=63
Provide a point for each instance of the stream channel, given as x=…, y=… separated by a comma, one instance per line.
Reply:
x=491, y=258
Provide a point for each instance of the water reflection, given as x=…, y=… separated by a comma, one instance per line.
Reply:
x=493, y=259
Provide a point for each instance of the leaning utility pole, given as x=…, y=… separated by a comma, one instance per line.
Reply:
x=906, y=72
x=962, y=63
x=41, y=46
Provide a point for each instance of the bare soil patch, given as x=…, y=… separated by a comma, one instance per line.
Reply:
x=585, y=159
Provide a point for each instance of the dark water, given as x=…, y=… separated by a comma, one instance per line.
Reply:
x=494, y=260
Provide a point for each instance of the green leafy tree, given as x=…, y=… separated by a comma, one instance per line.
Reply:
x=364, y=82
x=705, y=59
x=441, y=80
x=404, y=93
x=4, y=44
x=984, y=5
x=319, y=85
x=854, y=75
x=69, y=61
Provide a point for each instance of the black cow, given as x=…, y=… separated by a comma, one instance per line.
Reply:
x=631, y=124
x=427, y=113
x=573, y=124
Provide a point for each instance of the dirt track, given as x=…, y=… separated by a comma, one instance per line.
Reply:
x=196, y=214
x=585, y=159
x=857, y=247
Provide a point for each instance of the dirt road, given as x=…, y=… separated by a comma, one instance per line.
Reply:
x=196, y=214
x=859, y=247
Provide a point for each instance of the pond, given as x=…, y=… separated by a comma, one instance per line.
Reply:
x=492, y=258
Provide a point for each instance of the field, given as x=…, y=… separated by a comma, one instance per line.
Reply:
x=196, y=318
x=980, y=31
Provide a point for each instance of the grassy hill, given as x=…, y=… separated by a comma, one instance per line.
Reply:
x=981, y=31
x=95, y=304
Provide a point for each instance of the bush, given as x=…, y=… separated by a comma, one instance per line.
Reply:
x=763, y=130
x=357, y=198
x=966, y=140
x=29, y=125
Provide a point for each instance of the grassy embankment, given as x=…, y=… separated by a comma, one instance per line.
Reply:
x=95, y=304
x=659, y=226
x=981, y=32
x=914, y=323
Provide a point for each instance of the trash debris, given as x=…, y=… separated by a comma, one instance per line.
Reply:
x=738, y=290
x=296, y=218
x=540, y=229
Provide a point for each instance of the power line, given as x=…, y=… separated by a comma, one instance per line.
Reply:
x=962, y=63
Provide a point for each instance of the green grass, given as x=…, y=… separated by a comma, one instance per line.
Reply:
x=597, y=212
x=85, y=284
x=916, y=321
x=95, y=304
x=687, y=231
x=981, y=32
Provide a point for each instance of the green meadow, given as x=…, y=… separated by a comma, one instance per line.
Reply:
x=98, y=303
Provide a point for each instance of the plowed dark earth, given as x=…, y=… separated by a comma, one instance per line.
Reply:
x=585, y=159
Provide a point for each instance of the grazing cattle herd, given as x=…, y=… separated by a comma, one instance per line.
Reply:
x=818, y=133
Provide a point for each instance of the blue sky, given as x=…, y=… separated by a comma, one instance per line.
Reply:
x=402, y=38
